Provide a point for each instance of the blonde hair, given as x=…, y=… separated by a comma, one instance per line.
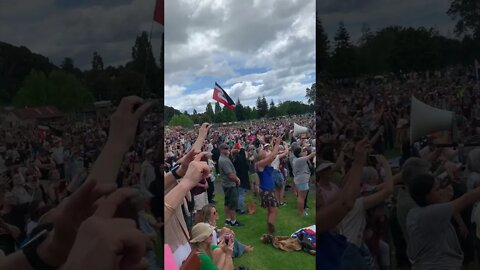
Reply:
x=203, y=215
x=369, y=175
x=202, y=247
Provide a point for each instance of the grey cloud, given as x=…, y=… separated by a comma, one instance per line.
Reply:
x=382, y=13
x=78, y=31
x=330, y=6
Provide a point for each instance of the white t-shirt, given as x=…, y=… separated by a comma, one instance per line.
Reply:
x=58, y=154
x=181, y=253
x=276, y=163
x=353, y=224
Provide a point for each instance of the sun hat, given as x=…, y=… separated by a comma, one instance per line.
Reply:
x=200, y=232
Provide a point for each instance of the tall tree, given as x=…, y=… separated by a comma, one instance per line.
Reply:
x=68, y=65
x=322, y=48
x=97, y=62
x=342, y=38
x=272, y=110
x=262, y=107
x=311, y=94
x=467, y=14
x=343, y=64
x=209, y=111
x=239, y=111
x=194, y=112
x=144, y=62
x=367, y=35
x=218, y=109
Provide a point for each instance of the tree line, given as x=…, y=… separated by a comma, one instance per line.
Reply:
x=397, y=49
x=29, y=79
x=216, y=114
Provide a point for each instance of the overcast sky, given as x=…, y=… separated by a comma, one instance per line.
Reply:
x=76, y=28
x=382, y=13
x=250, y=47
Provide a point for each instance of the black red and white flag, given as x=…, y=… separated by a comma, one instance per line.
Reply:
x=158, y=15
x=221, y=96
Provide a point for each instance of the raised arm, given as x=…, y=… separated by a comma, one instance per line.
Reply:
x=197, y=170
x=466, y=200
x=285, y=153
x=202, y=135
x=170, y=180
x=381, y=195
x=329, y=216
x=121, y=136
x=270, y=158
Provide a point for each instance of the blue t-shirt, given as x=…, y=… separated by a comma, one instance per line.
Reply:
x=266, y=178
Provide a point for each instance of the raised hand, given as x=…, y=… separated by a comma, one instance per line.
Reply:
x=105, y=242
x=67, y=217
x=197, y=170
x=361, y=148
x=124, y=122
x=185, y=161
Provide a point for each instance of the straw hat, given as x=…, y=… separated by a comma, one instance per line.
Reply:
x=200, y=232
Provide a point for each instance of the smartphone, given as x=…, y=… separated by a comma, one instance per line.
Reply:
x=227, y=239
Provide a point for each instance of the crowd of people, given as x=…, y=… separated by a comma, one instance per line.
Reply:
x=257, y=157
x=75, y=194
x=420, y=207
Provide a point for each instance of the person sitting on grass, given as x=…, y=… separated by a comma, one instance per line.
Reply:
x=212, y=257
x=209, y=215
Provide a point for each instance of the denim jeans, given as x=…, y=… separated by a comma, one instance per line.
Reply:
x=241, y=199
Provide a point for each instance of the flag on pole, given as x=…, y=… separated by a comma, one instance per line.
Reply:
x=158, y=14
x=477, y=67
x=221, y=96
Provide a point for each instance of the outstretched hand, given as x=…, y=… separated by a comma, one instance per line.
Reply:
x=105, y=242
x=197, y=170
x=185, y=161
x=361, y=148
x=124, y=122
x=67, y=218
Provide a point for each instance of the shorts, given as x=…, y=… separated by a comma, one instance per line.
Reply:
x=231, y=197
x=268, y=199
x=302, y=186
x=278, y=178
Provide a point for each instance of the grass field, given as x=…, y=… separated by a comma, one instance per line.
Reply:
x=265, y=256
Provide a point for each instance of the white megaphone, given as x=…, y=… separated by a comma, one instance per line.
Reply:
x=297, y=129
x=425, y=119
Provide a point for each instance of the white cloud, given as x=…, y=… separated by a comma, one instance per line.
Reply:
x=219, y=38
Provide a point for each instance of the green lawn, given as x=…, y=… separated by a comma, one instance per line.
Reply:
x=288, y=221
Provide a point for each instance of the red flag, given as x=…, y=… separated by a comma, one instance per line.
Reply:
x=158, y=15
x=221, y=96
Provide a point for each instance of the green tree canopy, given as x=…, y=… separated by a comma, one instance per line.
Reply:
x=59, y=89
x=181, y=120
x=467, y=14
x=97, y=62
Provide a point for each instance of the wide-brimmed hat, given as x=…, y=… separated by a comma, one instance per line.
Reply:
x=200, y=232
